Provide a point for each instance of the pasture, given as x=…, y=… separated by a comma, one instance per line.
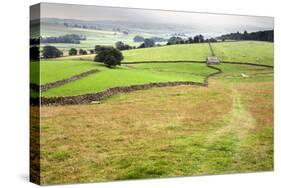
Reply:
x=130, y=75
x=245, y=51
x=188, y=52
x=226, y=127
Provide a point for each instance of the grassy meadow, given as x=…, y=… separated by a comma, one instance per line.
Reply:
x=245, y=51
x=191, y=52
x=131, y=75
x=226, y=127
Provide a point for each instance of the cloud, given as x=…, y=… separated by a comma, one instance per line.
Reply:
x=198, y=20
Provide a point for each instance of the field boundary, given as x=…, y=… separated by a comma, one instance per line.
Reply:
x=211, y=49
x=189, y=61
x=246, y=63
x=91, y=97
x=178, y=61
x=45, y=87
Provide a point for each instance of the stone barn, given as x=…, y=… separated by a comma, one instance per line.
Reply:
x=212, y=60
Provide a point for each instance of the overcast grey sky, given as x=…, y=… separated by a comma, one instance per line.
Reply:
x=199, y=20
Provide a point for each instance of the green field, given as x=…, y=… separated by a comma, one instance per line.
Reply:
x=247, y=51
x=53, y=70
x=134, y=74
x=226, y=127
x=126, y=76
x=188, y=52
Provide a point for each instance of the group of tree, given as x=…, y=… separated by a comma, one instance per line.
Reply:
x=139, y=38
x=74, y=51
x=71, y=38
x=147, y=43
x=259, y=35
x=108, y=55
x=211, y=40
x=83, y=52
x=82, y=26
x=179, y=40
x=122, y=46
x=51, y=52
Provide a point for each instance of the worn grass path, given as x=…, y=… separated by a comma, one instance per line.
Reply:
x=240, y=120
x=227, y=141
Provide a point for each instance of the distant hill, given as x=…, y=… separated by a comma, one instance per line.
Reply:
x=155, y=28
x=182, y=30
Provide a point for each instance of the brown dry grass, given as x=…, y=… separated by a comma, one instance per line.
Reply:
x=160, y=132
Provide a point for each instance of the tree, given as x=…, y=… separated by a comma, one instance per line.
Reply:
x=138, y=39
x=51, y=52
x=110, y=56
x=121, y=46
x=212, y=40
x=34, y=53
x=82, y=52
x=147, y=43
x=201, y=38
x=72, y=51
x=198, y=39
x=175, y=40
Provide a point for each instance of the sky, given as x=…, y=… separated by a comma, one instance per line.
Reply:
x=199, y=20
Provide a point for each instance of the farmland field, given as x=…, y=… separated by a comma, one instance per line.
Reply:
x=226, y=127
x=125, y=76
x=94, y=36
x=191, y=52
x=246, y=51
x=52, y=70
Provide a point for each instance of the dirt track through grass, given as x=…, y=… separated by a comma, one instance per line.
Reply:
x=227, y=140
x=240, y=121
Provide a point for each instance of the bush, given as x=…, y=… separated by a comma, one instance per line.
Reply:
x=108, y=55
x=72, y=51
x=51, y=52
